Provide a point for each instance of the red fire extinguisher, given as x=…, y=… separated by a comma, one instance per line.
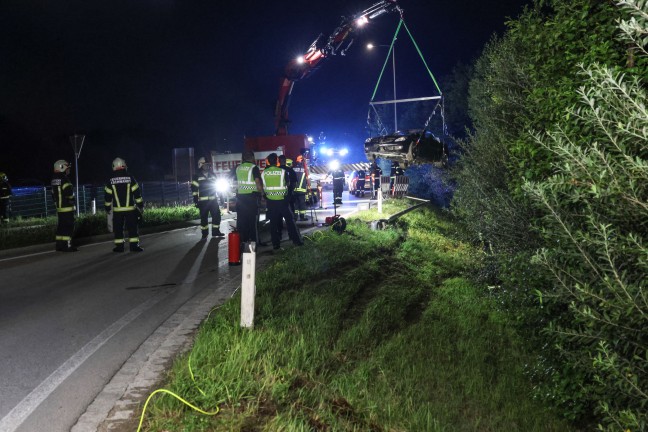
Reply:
x=234, y=247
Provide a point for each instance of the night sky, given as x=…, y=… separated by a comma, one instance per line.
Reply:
x=140, y=77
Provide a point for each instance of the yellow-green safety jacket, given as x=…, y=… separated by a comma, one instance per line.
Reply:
x=275, y=183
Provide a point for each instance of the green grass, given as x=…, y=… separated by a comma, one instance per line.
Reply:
x=376, y=331
x=26, y=232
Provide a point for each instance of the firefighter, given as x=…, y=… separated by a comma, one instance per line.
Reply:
x=249, y=192
x=376, y=173
x=275, y=183
x=5, y=197
x=124, y=199
x=338, y=185
x=63, y=196
x=205, y=197
x=301, y=188
x=287, y=164
x=360, y=183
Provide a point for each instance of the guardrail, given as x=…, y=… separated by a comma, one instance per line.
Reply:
x=37, y=201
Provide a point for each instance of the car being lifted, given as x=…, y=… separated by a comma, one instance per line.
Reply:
x=414, y=146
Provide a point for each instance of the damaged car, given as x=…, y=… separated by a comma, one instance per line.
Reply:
x=415, y=146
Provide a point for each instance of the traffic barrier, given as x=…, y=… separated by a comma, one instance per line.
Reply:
x=399, y=189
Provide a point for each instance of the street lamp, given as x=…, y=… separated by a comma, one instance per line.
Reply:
x=393, y=48
x=77, y=144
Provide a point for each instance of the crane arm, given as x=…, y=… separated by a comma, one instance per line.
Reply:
x=338, y=42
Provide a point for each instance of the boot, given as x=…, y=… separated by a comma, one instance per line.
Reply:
x=135, y=247
x=217, y=233
x=119, y=248
x=204, y=234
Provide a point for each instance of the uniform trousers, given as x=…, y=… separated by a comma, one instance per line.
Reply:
x=280, y=211
x=129, y=219
x=247, y=210
x=207, y=208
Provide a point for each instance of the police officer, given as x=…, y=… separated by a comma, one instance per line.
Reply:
x=376, y=173
x=249, y=192
x=205, y=197
x=301, y=188
x=124, y=199
x=5, y=196
x=63, y=196
x=275, y=183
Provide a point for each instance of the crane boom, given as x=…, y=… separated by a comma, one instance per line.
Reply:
x=338, y=42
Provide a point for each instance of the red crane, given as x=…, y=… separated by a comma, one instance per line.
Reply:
x=318, y=51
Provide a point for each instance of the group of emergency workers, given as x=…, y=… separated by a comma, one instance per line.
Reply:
x=281, y=188
x=123, y=204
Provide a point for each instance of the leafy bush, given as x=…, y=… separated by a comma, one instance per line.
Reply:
x=596, y=206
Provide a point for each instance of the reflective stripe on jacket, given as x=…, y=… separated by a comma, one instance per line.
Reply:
x=245, y=179
x=274, y=183
x=123, y=193
x=63, y=193
x=203, y=186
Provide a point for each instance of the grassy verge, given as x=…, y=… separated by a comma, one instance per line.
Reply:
x=366, y=331
x=27, y=232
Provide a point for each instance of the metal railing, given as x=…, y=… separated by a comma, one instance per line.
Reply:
x=37, y=201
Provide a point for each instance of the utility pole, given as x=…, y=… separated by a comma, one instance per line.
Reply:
x=77, y=144
x=394, y=73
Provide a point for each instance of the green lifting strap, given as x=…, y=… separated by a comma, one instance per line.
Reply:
x=391, y=48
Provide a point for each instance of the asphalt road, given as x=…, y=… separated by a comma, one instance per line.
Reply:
x=72, y=323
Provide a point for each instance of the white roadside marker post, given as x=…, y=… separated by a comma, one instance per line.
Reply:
x=380, y=200
x=248, y=287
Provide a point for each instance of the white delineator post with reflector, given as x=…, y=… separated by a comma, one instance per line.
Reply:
x=248, y=285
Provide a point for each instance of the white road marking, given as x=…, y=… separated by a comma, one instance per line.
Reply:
x=28, y=405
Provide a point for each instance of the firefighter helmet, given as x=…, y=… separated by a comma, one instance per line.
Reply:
x=119, y=164
x=60, y=166
x=289, y=162
x=202, y=162
x=3, y=176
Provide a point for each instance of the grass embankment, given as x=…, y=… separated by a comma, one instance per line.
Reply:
x=366, y=331
x=26, y=232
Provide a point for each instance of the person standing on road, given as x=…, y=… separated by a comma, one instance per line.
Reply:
x=301, y=188
x=124, y=199
x=5, y=197
x=287, y=164
x=63, y=196
x=275, y=182
x=249, y=193
x=338, y=185
x=205, y=197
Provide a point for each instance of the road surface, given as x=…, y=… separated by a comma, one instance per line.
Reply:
x=76, y=329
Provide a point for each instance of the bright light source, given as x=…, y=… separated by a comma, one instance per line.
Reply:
x=344, y=152
x=333, y=165
x=222, y=185
x=370, y=46
x=300, y=59
x=328, y=152
x=310, y=139
x=362, y=21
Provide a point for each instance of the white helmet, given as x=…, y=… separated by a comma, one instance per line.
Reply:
x=119, y=164
x=60, y=166
x=202, y=162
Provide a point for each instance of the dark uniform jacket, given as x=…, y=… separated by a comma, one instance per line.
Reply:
x=123, y=193
x=203, y=186
x=301, y=181
x=62, y=193
x=5, y=189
